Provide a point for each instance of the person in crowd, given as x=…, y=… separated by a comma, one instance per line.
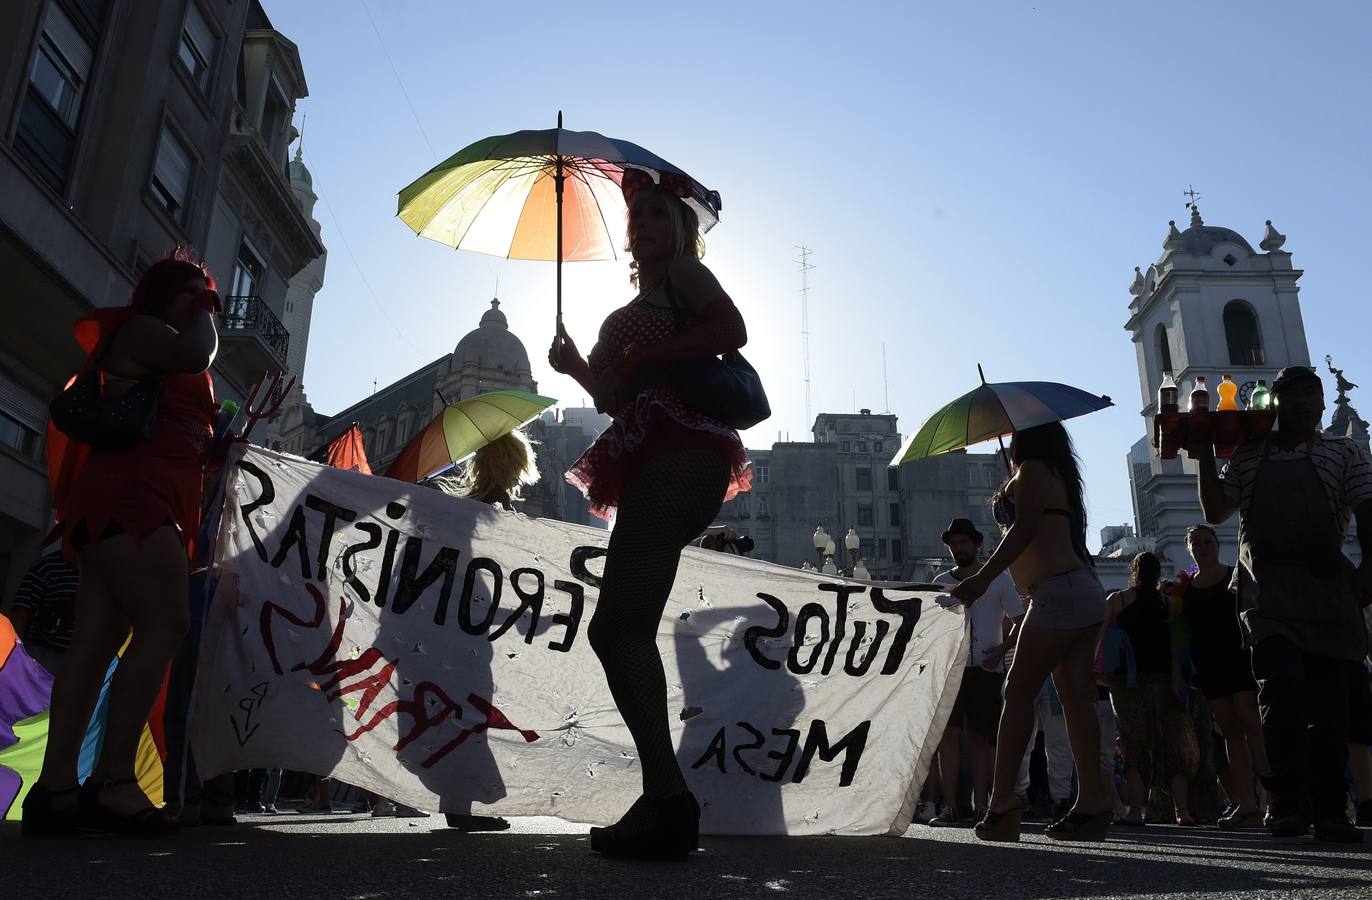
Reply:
x=663, y=470
x=977, y=708
x=1223, y=673
x=44, y=609
x=129, y=517
x=1298, y=596
x=495, y=475
x=1057, y=751
x=1159, y=744
x=1041, y=505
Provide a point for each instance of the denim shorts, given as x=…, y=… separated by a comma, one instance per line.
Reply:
x=1071, y=600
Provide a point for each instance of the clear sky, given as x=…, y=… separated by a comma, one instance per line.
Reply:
x=977, y=180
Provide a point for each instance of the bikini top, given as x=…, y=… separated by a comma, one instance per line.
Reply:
x=1003, y=510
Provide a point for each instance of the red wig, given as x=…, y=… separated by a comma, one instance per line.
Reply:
x=163, y=281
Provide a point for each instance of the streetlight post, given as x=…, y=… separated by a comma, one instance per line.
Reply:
x=821, y=540
x=853, y=543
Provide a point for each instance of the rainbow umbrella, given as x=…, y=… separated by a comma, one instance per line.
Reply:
x=502, y=196
x=463, y=428
x=993, y=411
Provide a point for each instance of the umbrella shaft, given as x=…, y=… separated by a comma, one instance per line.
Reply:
x=558, y=180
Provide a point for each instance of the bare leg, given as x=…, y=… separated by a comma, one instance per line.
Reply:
x=1075, y=681
x=1240, y=774
x=1181, y=793
x=950, y=764
x=100, y=631
x=148, y=581
x=1360, y=762
x=1039, y=651
x=983, y=767
x=1138, y=795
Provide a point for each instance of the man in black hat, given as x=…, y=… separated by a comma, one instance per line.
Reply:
x=1299, y=596
x=977, y=709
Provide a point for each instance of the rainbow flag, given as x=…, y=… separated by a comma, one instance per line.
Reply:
x=25, y=695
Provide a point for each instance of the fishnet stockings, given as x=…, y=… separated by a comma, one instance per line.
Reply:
x=667, y=503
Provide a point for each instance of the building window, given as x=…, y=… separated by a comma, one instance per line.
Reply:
x=881, y=548
x=46, y=136
x=838, y=477
x=866, y=549
x=897, y=551
x=894, y=512
x=171, y=174
x=197, y=47
x=865, y=517
x=846, y=446
x=974, y=476
x=1164, y=349
x=864, y=478
x=862, y=446
x=893, y=479
x=23, y=418
x=276, y=119
x=876, y=446
x=764, y=507
x=1241, y=333
x=762, y=473
x=247, y=271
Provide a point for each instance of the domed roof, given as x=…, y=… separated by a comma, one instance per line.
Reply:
x=1200, y=239
x=491, y=345
x=298, y=172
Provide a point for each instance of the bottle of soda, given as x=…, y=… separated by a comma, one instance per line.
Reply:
x=1200, y=396
x=1262, y=398
x=1228, y=392
x=1167, y=395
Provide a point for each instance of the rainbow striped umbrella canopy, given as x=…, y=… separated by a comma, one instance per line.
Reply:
x=994, y=411
x=501, y=196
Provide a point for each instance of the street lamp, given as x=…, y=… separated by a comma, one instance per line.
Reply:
x=860, y=572
x=829, y=550
x=853, y=543
x=822, y=540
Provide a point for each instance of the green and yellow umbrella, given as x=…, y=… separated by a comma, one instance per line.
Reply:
x=502, y=196
x=463, y=428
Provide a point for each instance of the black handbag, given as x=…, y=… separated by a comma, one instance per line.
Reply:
x=726, y=388
x=83, y=413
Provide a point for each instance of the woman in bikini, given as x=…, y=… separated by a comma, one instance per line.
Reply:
x=662, y=470
x=1042, y=509
x=129, y=518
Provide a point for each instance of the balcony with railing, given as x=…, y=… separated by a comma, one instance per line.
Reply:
x=252, y=337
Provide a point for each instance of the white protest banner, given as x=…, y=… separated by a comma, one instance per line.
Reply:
x=433, y=650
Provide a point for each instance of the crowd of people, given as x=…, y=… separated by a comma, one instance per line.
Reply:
x=1262, y=666
x=1274, y=646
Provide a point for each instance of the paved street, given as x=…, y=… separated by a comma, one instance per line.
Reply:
x=346, y=856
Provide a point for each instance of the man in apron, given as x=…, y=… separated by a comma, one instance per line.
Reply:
x=1299, y=597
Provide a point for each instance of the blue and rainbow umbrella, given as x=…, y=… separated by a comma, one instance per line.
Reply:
x=993, y=411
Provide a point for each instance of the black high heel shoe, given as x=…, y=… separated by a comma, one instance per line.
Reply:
x=148, y=822
x=42, y=820
x=666, y=828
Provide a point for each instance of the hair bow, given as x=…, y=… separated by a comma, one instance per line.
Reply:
x=635, y=181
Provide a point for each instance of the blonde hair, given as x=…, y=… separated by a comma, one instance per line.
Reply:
x=503, y=466
x=686, y=237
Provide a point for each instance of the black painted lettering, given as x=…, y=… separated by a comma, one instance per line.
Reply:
x=850, y=666
x=580, y=557
x=784, y=757
x=908, y=609
x=817, y=741
x=530, y=600
x=844, y=591
x=752, y=635
x=349, y=572
x=383, y=581
x=715, y=751
x=758, y=740
x=412, y=582
x=464, y=606
x=266, y=496
x=572, y=618
x=295, y=537
x=807, y=612
x=332, y=513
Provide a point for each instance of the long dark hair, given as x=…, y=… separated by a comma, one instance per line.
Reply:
x=1051, y=445
x=1145, y=571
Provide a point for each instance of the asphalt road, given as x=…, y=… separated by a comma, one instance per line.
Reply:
x=356, y=858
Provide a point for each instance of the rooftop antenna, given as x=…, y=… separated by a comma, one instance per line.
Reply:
x=805, y=268
x=885, y=382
